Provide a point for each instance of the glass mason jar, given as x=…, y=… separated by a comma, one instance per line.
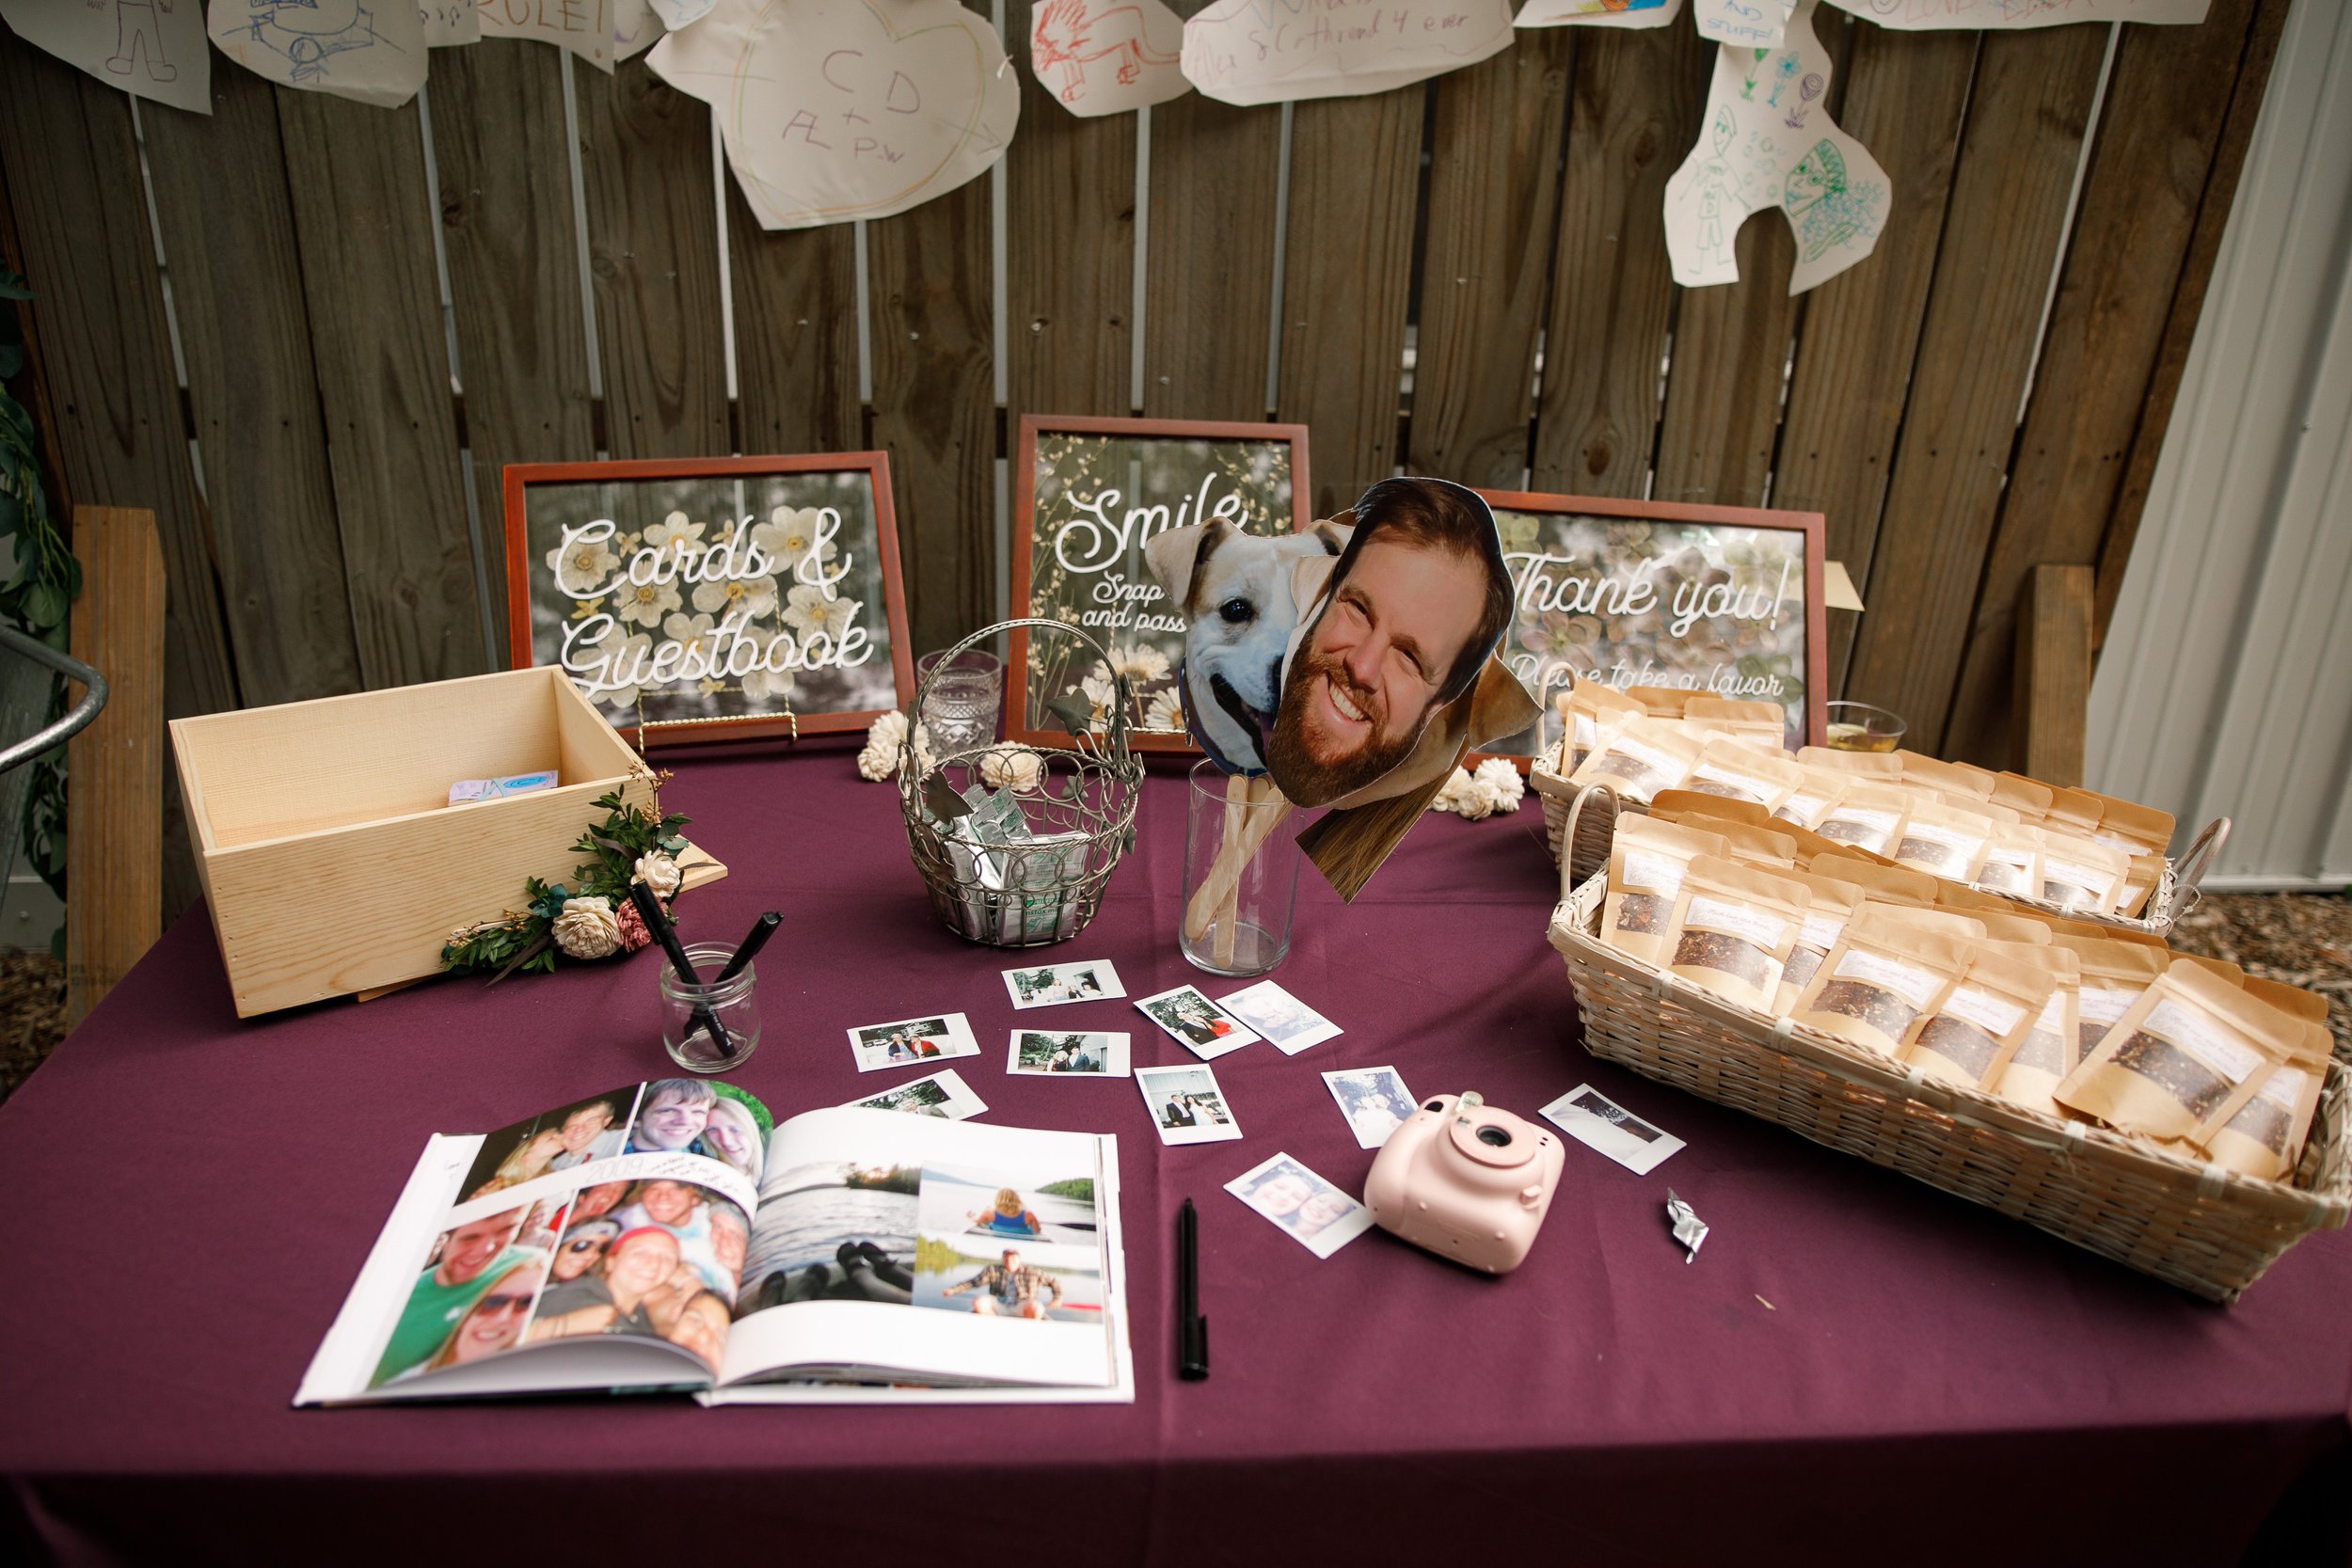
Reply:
x=1237, y=910
x=693, y=1015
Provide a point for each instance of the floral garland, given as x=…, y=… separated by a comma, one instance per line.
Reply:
x=631, y=845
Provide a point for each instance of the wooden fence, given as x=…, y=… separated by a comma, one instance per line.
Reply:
x=1986, y=392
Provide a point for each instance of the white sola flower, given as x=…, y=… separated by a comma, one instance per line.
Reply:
x=1502, y=782
x=1462, y=796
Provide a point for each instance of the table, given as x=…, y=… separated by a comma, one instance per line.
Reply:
x=1856, y=1365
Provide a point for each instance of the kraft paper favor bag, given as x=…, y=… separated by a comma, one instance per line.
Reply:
x=1734, y=927
x=1880, y=984
x=1646, y=863
x=2186, y=1057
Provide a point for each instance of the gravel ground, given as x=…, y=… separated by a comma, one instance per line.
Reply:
x=2302, y=939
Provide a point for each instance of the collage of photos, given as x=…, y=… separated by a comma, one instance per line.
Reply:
x=1205, y=1029
x=1048, y=1052
x=1373, y=1099
x=1186, y=1105
x=1314, y=1212
x=1281, y=1018
x=944, y=1095
x=1052, y=985
x=879, y=1046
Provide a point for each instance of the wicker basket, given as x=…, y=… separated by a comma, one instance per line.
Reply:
x=1080, y=812
x=2196, y=1226
x=2176, y=890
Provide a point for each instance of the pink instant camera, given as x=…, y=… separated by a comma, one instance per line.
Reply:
x=1465, y=1181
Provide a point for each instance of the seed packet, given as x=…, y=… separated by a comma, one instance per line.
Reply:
x=2074, y=811
x=1588, y=711
x=1817, y=789
x=1662, y=702
x=1979, y=1024
x=1943, y=841
x=2028, y=798
x=1870, y=815
x=1738, y=772
x=1884, y=766
x=2012, y=861
x=1758, y=723
x=1882, y=878
x=2186, y=1058
x=2114, y=974
x=1733, y=929
x=2046, y=1054
x=2080, y=873
x=1954, y=778
x=1834, y=902
x=1646, y=862
x=1880, y=983
x=1640, y=758
x=2263, y=1137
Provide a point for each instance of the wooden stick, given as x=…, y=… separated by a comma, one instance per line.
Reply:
x=1231, y=860
x=1238, y=791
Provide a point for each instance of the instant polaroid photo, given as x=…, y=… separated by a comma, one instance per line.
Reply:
x=1275, y=1013
x=1186, y=1105
x=1205, y=1029
x=1597, y=1122
x=1052, y=985
x=944, y=1095
x=1373, y=1099
x=912, y=1041
x=1317, y=1215
x=1067, y=1053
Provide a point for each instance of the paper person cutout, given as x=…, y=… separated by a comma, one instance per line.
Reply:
x=1766, y=142
x=840, y=109
x=1234, y=591
x=373, y=50
x=1749, y=23
x=1597, y=13
x=1250, y=52
x=582, y=26
x=1924, y=15
x=150, y=49
x=1104, y=56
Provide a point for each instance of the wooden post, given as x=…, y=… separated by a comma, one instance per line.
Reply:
x=114, y=767
x=2053, y=691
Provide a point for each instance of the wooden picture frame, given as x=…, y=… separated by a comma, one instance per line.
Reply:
x=1033, y=594
x=784, y=612
x=1554, y=626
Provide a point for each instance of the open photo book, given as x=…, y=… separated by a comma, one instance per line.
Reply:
x=666, y=1236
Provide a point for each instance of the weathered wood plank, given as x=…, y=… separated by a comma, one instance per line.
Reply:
x=513, y=273
x=360, y=210
x=2027, y=118
x=2134, y=219
x=2051, y=674
x=1346, y=274
x=795, y=334
x=1722, y=390
x=115, y=810
x=1905, y=94
x=1070, y=259
x=653, y=252
x=226, y=221
x=1209, y=259
x=1494, y=193
x=1634, y=99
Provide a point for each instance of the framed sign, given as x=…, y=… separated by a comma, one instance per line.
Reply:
x=1088, y=495
x=712, y=598
x=1721, y=599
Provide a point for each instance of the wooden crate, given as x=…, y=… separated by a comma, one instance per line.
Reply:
x=328, y=851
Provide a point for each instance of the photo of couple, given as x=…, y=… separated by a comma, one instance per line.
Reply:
x=1205, y=1028
x=1311, y=1211
x=1051, y=985
x=1039, y=1052
x=688, y=1116
x=912, y=1040
x=944, y=1095
x=1375, y=1101
x=1186, y=1105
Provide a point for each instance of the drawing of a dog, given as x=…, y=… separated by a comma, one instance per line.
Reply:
x=1234, y=589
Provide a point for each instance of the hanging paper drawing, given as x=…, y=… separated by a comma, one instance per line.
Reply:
x=150, y=49
x=1597, y=13
x=1103, y=59
x=840, y=109
x=372, y=52
x=583, y=26
x=1925, y=15
x=1750, y=23
x=1249, y=52
x=1767, y=143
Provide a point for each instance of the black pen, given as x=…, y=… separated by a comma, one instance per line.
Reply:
x=751, y=945
x=1192, y=1329
x=658, y=925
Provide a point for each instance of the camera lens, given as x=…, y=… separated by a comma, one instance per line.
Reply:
x=1493, y=1136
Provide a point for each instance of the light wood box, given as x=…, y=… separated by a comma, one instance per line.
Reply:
x=331, y=857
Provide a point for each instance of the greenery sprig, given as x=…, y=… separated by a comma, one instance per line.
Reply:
x=525, y=939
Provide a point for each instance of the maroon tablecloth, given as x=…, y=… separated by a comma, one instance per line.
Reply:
x=1855, y=1365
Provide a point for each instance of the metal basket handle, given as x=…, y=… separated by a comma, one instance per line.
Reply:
x=2206, y=848
x=1116, y=735
x=1568, y=833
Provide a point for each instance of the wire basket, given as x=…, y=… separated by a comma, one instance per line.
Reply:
x=1078, y=814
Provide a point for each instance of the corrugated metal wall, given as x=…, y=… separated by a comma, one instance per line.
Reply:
x=2225, y=688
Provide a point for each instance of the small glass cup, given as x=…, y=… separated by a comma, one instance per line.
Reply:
x=961, y=706
x=1243, y=918
x=1860, y=727
x=688, y=1010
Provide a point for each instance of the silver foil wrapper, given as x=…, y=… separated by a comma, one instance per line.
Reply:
x=1688, y=1228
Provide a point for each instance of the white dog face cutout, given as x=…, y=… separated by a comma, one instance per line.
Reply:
x=1240, y=611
